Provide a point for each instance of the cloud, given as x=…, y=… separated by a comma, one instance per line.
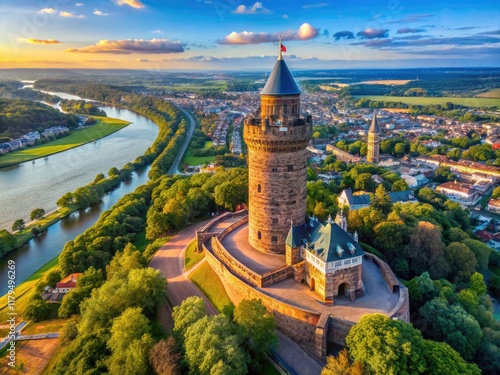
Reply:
x=401, y=43
x=305, y=32
x=257, y=8
x=373, y=33
x=318, y=5
x=39, y=41
x=492, y=32
x=157, y=31
x=47, y=10
x=99, y=13
x=285, y=16
x=133, y=3
x=142, y=60
x=413, y=18
x=79, y=4
x=70, y=15
x=262, y=59
x=343, y=35
x=460, y=51
x=407, y=30
x=128, y=46
x=467, y=28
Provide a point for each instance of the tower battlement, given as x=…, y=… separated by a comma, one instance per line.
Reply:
x=289, y=137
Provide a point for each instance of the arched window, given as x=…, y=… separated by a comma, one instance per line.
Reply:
x=258, y=188
x=259, y=235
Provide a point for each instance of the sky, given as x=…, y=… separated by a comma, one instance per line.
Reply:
x=243, y=35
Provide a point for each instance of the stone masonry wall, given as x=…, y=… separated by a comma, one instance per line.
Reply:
x=298, y=324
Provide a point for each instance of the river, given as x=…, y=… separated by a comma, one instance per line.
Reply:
x=38, y=185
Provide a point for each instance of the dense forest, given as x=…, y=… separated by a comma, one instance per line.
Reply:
x=81, y=107
x=14, y=90
x=18, y=117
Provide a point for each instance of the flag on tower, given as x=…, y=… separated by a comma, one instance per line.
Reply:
x=283, y=48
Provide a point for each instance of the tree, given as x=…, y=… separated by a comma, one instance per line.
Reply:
x=477, y=284
x=425, y=251
x=453, y=325
x=381, y=200
x=124, y=261
x=400, y=185
x=164, y=357
x=189, y=312
x=130, y=343
x=386, y=346
x=37, y=214
x=364, y=182
x=342, y=365
x=230, y=194
x=65, y=200
x=221, y=348
x=442, y=359
x=421, y=290
x=443, y=174
x=461, y=260
x=496, y=193
x=18, y=225
x=53, y=277
x=258, y=327
x=36, y=310
x=481, y=251
x=7, y=241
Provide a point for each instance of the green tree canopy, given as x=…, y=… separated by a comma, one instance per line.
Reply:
x=381, y=200
x=37, y=214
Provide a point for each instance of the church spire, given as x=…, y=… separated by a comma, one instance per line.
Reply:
x=374, y=126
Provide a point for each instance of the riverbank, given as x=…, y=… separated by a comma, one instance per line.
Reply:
x=104, y=127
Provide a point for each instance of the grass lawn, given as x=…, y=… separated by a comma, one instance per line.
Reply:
x=471, y=102
x=209, y=283
x=196, y=160
x=102, y=128
x=192, y=255
x=23, y=289
x=47, y=326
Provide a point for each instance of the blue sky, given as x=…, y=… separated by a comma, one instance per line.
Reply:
x=232, y=34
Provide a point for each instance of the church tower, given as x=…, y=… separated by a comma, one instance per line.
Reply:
x=277, y=137
x=372, y=155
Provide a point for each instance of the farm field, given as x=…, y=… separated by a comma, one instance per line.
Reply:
x=31, y=355
x=471, y=102
x=102, y=128
x=394, y=82
x=495, y=93
x=190, y=159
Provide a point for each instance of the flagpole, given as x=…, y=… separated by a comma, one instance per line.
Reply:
x=280, y=56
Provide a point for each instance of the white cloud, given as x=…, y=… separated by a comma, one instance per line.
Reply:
x=38, y=41
x=285, y=16
x=257, y=8
x=318, y=5
x=79, y=4
x=70, y=15
x=47, y=10
x=99, y=13
x=305, y=32
x=133, y=3
x=128, y=46
x=157, y=31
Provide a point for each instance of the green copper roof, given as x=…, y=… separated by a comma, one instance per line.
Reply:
x=295, y=236
x=280, y=81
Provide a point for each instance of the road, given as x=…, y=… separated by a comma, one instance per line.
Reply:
x=169, y=259
x=174, y=168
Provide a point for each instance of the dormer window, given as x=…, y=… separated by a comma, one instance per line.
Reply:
x=351, y=247
x=340, y=251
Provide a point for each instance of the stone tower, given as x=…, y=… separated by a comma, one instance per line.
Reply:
x=277, y=138
x=372, y=155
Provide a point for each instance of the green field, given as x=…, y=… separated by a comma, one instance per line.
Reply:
x=211, y=286
x=102, y=128
x=196, y=160
x=470, y=102
x=192, y=256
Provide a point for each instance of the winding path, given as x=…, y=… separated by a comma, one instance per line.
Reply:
x=169, y=260
x=174, y=168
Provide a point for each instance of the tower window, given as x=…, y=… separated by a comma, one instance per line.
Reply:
x=275, y=220
x=289, y=167
x=275, y=169
x=259, y=235
x=258, y=188
x=274, y=239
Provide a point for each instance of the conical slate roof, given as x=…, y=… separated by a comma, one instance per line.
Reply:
x=374, y=126
x=280, y=81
